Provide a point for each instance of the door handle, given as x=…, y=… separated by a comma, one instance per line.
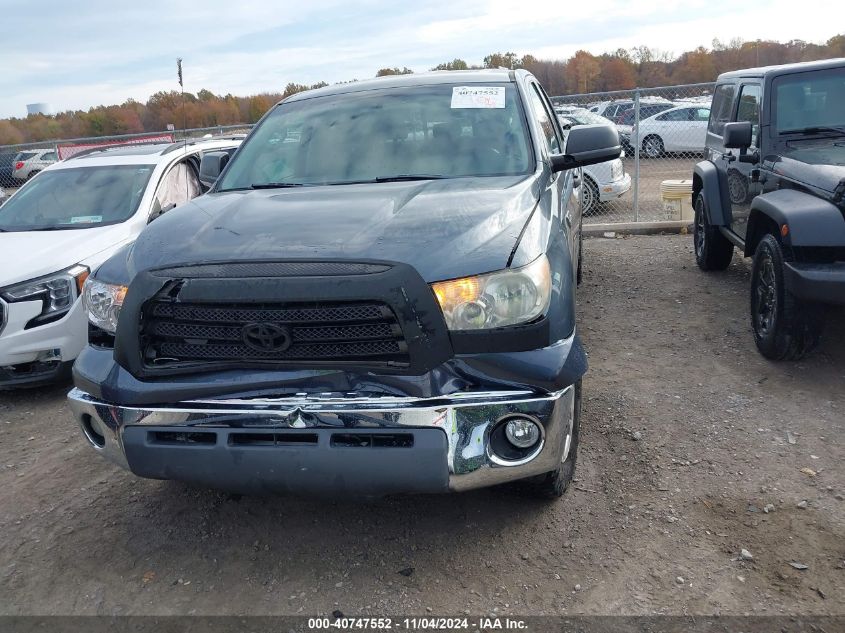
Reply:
x=568, y=219
x=576, y=181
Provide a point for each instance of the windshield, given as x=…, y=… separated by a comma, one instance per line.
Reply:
x=442, y=131
x=76, y=198
x=810, y=100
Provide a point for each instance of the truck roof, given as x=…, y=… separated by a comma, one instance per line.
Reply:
x=783, y=69
x=497, y=75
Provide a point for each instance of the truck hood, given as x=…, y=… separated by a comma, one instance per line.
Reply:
x=443, y=228
x=818, y=163
x=32, y=254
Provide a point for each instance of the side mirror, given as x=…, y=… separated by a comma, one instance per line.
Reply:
x=211, y=166
x=588, y=145
x=737, y=135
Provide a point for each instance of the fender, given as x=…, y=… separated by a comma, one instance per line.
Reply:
x=707, y=178
x=811, y=220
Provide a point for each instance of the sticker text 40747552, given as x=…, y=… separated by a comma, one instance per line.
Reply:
x=478, y=97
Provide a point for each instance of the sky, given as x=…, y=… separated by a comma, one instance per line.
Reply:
x=105, y=51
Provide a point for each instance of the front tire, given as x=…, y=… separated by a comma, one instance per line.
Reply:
x=784, y=327
x=552, y=485
x=713, y=251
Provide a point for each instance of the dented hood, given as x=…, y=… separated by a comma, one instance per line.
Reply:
x=443, y=228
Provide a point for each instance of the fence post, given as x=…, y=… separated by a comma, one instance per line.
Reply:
x=637, y=145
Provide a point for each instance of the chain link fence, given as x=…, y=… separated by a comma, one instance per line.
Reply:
x=663, y=131
x=20, y=162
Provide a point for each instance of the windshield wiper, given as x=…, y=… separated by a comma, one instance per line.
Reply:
x=276, y=185
x=816, y=129
x=408, y=177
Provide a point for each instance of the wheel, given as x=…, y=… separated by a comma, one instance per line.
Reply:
x=653, y=147
x=579, y=275
x=784, y=327
x=590, y=196
x=553, y=484
x=32, y=174
x=713, y=251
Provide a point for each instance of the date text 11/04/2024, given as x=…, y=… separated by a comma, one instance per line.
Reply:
x=419, y=623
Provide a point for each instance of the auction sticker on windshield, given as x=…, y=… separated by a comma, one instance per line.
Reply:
x=86, y=219
x=478, y=97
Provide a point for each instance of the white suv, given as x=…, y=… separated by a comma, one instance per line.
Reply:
x=59, y=227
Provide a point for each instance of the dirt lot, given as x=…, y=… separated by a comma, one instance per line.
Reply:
x=688, y=436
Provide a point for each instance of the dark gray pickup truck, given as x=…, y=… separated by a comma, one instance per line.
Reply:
x=376, y=296
x=773, y=185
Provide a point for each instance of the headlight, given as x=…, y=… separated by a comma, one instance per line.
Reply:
x=57, y=292
x=103, y=302
x=506, y=297
x=616, y=169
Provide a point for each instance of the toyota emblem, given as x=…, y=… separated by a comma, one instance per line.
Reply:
x=266, y=337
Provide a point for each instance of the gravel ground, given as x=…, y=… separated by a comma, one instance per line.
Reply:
x=693, y=449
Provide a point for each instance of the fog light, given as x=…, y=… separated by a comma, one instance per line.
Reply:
x=522, y=432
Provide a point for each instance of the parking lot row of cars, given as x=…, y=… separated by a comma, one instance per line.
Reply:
x=664, y=126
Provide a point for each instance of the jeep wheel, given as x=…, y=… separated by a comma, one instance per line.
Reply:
x=713, y=251
x=553, y=484
x=653, y=147
x=784, y=328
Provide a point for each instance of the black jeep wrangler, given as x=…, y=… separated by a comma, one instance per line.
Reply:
x=773, y=185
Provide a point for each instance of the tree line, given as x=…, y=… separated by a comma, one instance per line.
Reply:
x=622, y=69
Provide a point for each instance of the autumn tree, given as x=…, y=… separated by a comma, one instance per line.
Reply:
x=502, y=60
x=455, y=64
x=616, y=73
x=384, y=72
x=581, y=72
x=9, y=134
x=695, y=67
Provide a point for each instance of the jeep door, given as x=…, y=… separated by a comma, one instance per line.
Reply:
x=742, y=103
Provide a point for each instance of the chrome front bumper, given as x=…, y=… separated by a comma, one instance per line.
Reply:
x=465, y=419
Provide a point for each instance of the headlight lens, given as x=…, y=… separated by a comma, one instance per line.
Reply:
x=103, y=302
x=507, y=297
x=56, y=292
x=616, y=169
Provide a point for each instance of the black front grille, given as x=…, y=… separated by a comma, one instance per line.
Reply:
x=323, y=333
